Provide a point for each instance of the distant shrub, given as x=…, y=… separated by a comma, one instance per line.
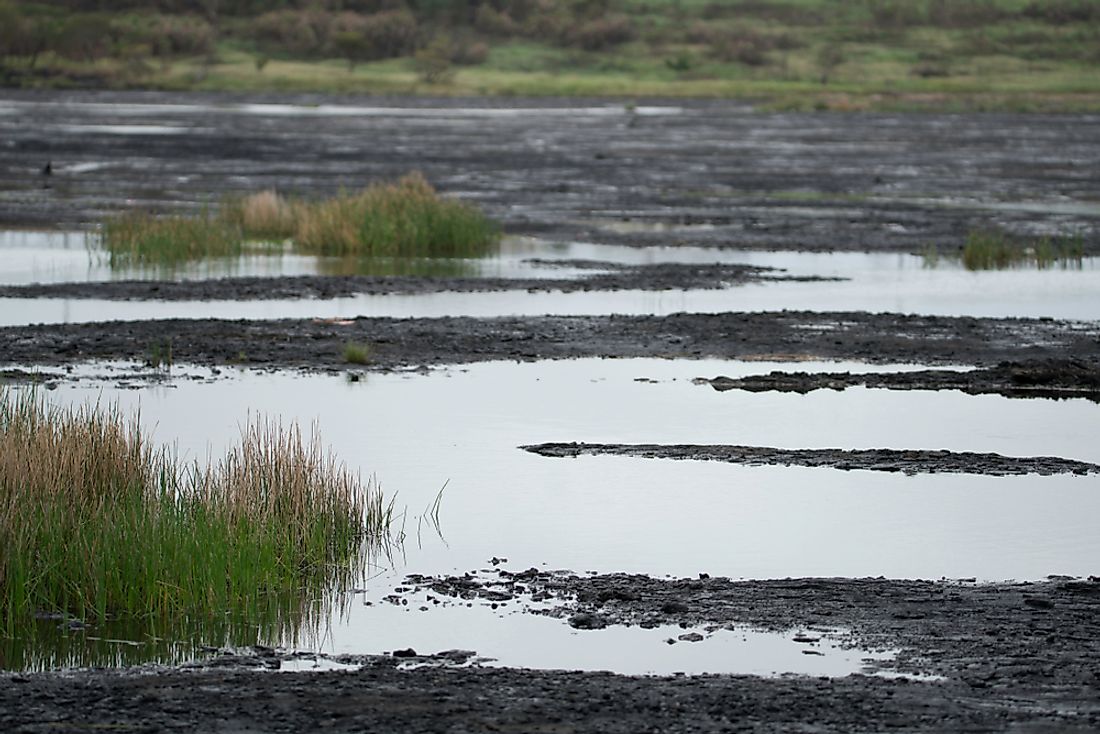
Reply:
x=84, y=38
x=390, y=34
x=895, y=14
x=602, y=33
x=747, y=46
x=433, y=62
x=302, y=33
x=181, y=35
x=963, y=13
x=20, y=36
x=1061, y=12
x=466, y=52
x=494, y=22
x=680, y=63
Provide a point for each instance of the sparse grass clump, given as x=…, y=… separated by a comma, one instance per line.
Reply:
x=405, y=219
x=97, y=524
x=995, y=250
x=141, y=238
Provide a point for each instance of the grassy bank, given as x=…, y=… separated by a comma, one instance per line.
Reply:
x=97, y=524
x=829, y=54
x=406, y=219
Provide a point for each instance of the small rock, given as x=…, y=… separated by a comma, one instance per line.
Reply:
x=408, y=652
x=585, y=621
x=691, y=637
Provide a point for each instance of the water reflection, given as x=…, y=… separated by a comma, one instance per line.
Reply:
x=53, y=642
x=873, y=282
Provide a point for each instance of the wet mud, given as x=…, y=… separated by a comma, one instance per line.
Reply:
x=1006, y=657
x=654, y=172
x=1055, y=378
x=429, y=342
x=908, y=461
x=614, y=277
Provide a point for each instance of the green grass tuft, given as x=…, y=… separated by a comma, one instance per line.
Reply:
x=356, y=353
x=96, y=524
x=996, y=250
x=141, y=238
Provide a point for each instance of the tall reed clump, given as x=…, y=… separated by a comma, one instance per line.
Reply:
x=98, y=524
x=404, y=219
x=265, y=215
x=995, y=250
x=141, y=238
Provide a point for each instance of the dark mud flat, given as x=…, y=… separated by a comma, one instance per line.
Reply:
x=698, y=172
x=413, y=343
x=1011, y=658
x=617, y=277
x=887, y=460
x=1055, y=378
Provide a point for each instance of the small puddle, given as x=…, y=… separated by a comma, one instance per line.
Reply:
x=506, y=634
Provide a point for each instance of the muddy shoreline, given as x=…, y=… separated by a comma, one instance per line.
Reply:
x=909, y=461
x=1058, y=379
x=1009, y=657
x=1069, y=348
x=614, y=277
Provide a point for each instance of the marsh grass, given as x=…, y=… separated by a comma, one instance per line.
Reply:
x=265, y=215
x=142, y=238
x=995, y=250
x=406, y=220
x=356, y=353
x=97, y=524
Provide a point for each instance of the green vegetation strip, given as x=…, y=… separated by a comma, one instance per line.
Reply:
x=993, y=249
x=798, y=54
x=97, y=524
x=406, y=219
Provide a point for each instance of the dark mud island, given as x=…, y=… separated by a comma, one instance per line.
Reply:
x=968, y=656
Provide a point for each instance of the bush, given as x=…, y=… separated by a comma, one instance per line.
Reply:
x=294, y=32
x=494, y=22
x=963, y=13
x=1060, y=12
x=182, y=35
x=601, y=34
x=748, y=46
x=468, y=52
x=390, y=34
x=433, y=63
x=84, y=38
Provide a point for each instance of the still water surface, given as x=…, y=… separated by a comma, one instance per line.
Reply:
x=875, y=282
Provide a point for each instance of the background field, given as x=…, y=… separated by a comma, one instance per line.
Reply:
x=785, y=54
